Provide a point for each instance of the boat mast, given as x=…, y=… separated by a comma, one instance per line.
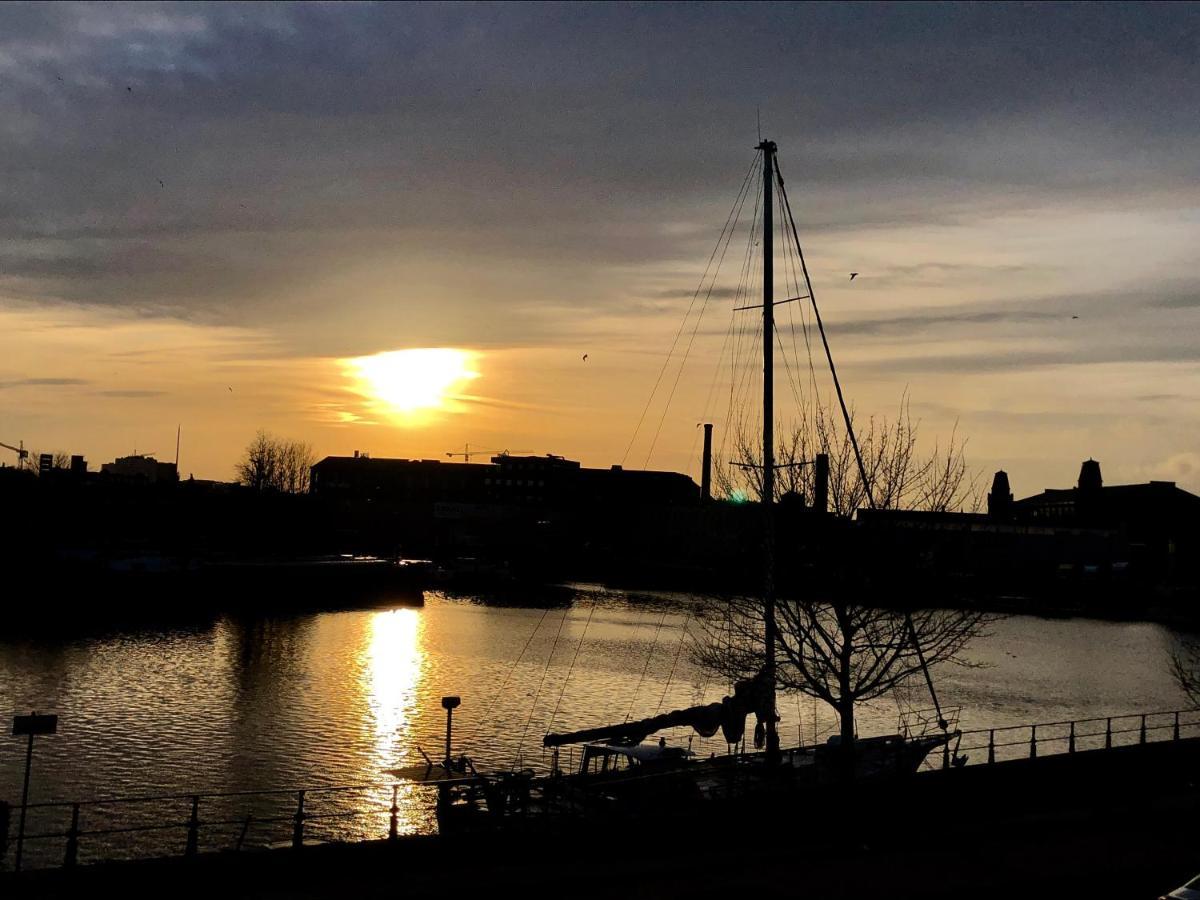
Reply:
x=768, y=149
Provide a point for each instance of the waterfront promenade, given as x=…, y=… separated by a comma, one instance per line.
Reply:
x=1120, y=823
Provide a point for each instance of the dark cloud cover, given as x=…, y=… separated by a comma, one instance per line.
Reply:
x=240, y=161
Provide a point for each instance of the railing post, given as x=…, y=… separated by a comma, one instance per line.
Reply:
x=242, y=835
x=72, y=853
x=991, y=746
x=1175, y=730
x=1108, y=734
x=193, y=828
x=1071, y=740
x=298, y=822
x=5, y=821
x=946, y=755
x=1032, y=741
x=393, y=825
x=1142, y=731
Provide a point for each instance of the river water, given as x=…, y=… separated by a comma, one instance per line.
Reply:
x=336, y=698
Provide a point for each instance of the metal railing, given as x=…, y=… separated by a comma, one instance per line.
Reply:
x=188, y=824
x=1071, y=735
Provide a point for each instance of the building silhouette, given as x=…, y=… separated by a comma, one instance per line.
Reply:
x=1091, y=545
x=140, y=469
x=519, y=481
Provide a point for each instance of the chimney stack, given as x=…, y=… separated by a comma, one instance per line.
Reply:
x=821, y=483
x=706, y=466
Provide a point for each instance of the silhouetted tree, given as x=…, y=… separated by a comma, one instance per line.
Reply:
x=833, y=644
x=62, y=460
x=272, y=464
x=1185, y=666
x=838, y=651
x=900, y=475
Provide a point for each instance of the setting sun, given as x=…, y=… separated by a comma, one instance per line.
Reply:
x=406, y=384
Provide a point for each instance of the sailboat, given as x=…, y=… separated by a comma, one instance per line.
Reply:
x=619, y=769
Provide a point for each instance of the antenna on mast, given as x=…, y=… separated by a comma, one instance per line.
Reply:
x=178, y=429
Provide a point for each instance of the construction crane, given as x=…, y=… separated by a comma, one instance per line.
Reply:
x=22, y=453
x=467, y=453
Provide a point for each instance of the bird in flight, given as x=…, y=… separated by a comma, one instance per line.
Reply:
x=585, y=357
x=231, y=390
x=853, y=275
x=160, y=183
x=129, y=88
x=1074, y=317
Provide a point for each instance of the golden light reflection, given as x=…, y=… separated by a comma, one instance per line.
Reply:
x=392, y=670
x=411, y=385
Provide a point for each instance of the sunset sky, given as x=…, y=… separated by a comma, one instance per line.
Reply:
x=219, y=216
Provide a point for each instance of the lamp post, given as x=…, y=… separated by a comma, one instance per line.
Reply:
x=29, y=725
x=449, y=704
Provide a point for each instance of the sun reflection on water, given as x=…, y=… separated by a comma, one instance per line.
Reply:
x=392, y=671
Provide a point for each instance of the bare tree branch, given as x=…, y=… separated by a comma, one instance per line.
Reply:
x=1185, y=666
x=272, y=464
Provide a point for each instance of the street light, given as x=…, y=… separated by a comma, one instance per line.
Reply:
x=449, y=704
x=29, y=725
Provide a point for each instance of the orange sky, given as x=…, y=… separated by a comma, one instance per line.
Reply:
x=208, y=210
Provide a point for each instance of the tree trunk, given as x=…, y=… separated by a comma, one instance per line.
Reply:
x=846, y=712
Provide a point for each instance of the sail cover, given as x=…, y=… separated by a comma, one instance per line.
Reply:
x=753, y=695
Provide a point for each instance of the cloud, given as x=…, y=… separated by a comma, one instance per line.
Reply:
x=287, y=162
x=43, y=382
x=199, y=196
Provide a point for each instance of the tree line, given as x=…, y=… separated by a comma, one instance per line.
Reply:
x=272, y=464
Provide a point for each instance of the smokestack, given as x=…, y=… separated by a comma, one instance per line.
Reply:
x=706, y=465
x=821, y=483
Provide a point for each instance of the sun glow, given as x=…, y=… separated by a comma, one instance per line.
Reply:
x=409, y=385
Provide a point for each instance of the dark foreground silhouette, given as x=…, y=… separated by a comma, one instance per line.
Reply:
x=1116, y=824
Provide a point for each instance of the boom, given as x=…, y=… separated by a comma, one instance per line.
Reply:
x=753, y=695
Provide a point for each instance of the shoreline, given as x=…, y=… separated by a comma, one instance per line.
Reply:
x=1115, y=823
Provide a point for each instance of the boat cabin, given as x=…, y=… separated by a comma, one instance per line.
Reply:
x=601, y=757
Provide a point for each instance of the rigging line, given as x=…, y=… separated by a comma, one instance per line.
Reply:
x=567, y=680
x=791, y=285
x=790, y=258
x=712, y=388
x=837, y=384
x=682, y=637
x=743, y=326
x=850, y=430
x=507, y=675
x=695, y=295
x=730, y=332
x=747, y=373
x=788, y=366
x=692, y=338
x=646, y=667
x=538, y=693
x=739, y=422
x=737, y=326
